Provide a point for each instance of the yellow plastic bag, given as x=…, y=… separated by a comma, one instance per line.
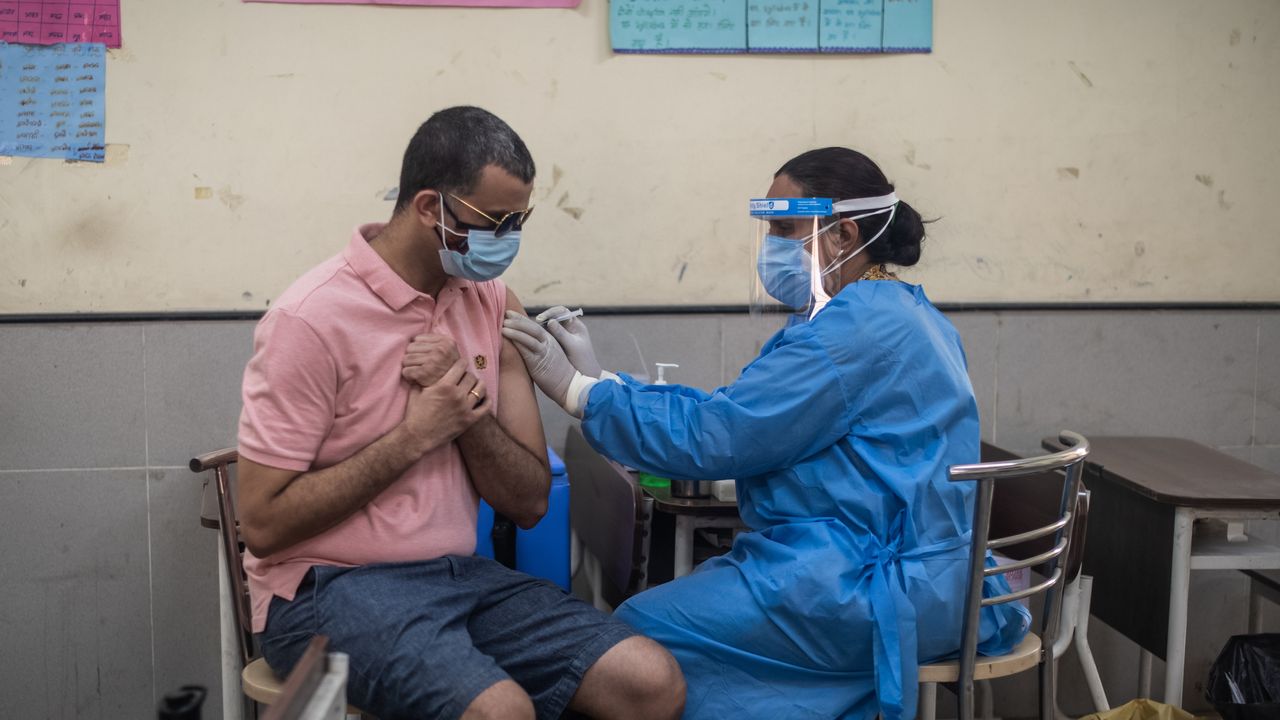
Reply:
x=1142, y=709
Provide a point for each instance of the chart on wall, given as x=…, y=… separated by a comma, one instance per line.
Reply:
x=441, y=3
x=51, y=101
x=49, y=22
x=771, y=26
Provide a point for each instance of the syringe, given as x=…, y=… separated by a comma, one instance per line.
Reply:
x=563, y=316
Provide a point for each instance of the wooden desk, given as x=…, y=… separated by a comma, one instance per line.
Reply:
x=1172, y=506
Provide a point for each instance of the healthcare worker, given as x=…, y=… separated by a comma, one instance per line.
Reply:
x=839, y=436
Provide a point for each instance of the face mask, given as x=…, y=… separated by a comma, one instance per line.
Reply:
x=486, y=258
x=783, y=267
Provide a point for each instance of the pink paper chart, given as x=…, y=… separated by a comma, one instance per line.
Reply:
x=49, y=22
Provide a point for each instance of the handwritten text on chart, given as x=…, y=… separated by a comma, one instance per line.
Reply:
x=51, y=101
x=743, y=26
x=49, y=22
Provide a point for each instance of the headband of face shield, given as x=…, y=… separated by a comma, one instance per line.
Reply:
x=784, y=265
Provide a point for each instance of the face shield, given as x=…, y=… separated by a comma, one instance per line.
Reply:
x=788, y=234
x=784, y=233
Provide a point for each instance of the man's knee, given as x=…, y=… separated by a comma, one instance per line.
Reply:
x=501, y=701
x=655, y=686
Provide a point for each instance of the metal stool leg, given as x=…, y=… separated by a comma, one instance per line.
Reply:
x=928, y=701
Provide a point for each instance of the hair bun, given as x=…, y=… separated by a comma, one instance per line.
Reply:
x=902, y=239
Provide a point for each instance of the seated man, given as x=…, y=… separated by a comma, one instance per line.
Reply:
x=380, y=404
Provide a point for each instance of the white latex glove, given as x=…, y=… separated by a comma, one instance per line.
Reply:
x=574, y=340
x=547, y=363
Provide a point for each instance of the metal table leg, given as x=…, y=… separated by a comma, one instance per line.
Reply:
x=1144, y=673
x=1179, y=588
x=683, y=563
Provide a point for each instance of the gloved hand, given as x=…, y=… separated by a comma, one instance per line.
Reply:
x=547, y=363
x=574, y=340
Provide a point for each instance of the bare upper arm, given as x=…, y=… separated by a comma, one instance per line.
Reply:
x=517, y=403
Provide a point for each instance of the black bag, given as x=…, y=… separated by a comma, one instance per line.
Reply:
x=183, y=704
x=1244, y=682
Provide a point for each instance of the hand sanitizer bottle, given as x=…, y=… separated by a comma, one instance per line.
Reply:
x=662, y=367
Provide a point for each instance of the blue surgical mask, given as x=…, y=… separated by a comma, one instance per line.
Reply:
x=486, y=258
x=783, y=266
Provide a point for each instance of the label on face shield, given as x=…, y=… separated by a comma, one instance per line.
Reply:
x=792, y=207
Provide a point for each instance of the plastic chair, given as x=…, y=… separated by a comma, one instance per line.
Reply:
x=1036, y=650
x=258, y=681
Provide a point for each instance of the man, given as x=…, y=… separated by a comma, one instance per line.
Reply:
x=380, y=400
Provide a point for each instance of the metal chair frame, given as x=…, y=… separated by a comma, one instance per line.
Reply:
x=1070, y=463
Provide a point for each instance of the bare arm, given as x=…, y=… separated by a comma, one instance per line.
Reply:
x=279, y=508
x=507, y=456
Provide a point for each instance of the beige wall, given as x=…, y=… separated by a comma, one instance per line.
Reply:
x=1091, y=150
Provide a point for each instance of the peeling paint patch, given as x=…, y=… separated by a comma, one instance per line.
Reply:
x=203, y=193
x=22, y=282
x=1205, y=180
x=719, y=76
x=1222, y=200
x=1235, y=37
x=1080, y=74
x=683, y=268
x=544, y=286
x=230, y=199
x=556, y=174
x=576, y=212
x=1139, y=249
x=246, y=295
x=1068, y=173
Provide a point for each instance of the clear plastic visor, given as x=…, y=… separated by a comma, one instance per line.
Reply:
x=783, y=231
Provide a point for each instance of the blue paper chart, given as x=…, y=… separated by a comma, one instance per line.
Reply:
x=51, y=101
x=771, y=26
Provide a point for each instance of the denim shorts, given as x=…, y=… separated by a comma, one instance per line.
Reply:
x=426, y=638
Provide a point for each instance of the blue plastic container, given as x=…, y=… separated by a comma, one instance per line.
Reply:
x=544, y=550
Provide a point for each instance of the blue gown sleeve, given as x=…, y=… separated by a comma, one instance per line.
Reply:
x=789, y=403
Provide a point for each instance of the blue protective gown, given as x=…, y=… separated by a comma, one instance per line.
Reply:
x=839, y=436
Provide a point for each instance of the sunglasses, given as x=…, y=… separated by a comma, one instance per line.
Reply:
x=501, y=226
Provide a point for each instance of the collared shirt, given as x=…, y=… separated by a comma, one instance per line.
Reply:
x=324, y=383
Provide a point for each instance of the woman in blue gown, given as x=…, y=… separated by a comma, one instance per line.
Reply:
x=839, y=436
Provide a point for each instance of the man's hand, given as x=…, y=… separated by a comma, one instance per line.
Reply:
x=439, y=413
x=428, y=358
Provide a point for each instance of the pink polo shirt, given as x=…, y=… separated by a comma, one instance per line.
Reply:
x=324, y=383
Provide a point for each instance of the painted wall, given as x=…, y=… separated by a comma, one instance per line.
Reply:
x=111, y=598
x=1090, y=150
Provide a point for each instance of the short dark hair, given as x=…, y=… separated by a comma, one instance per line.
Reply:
x=452, y=148
x=841, y=174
